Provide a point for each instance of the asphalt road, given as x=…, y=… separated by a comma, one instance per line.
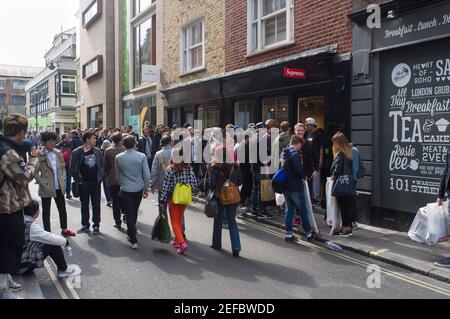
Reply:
x=268, y=267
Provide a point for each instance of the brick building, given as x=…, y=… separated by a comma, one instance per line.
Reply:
x=13, y=80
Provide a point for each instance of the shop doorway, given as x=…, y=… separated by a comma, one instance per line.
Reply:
x=312, y=106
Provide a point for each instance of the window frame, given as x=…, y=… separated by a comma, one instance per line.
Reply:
x=260, y=25
x=2, y=85
x=142, y=12
x=73, y=79
x=99, y=60
x=18, y=96
x=135, y=22
x=185, y=66
x=99, y=4
x=18, y=89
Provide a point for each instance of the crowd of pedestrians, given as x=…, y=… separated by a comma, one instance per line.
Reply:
x=172, y=163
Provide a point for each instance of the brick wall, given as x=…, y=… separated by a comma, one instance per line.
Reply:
x=176, y=15
x=317, y=23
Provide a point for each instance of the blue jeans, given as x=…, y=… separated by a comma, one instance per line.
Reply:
x=295, y=200
x=68, y=180
x=107, y=191
x=230, y=211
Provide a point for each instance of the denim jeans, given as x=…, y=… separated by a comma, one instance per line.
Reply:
x=107, y=192
x=296, y=200
x=230, y=211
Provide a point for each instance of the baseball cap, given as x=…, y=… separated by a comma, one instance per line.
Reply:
x=311, y=121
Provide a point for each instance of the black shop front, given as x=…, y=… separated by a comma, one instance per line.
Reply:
x=401, y=108
x=310, y=84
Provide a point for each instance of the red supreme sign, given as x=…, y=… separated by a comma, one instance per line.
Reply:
x=295, y=73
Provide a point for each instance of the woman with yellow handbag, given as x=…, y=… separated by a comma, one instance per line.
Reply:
x=179, y=183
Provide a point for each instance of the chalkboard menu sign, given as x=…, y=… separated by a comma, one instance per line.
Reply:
x=415, y=134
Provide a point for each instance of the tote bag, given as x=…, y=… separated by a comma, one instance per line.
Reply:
x=182, y=194
x=344, y=185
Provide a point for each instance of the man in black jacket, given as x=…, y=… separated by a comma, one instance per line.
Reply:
x=147, y=145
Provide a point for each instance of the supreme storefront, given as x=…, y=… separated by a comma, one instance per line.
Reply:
x=401, y=108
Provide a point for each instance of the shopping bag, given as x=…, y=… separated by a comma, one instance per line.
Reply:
x=267, y=193
x=279, y=199
x=182, y=194
x=311, y=217
x=211, y=206
x=161, y=228
x=333, y=212
x=438, y=230
x=419, y=227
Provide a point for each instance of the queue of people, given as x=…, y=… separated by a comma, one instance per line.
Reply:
x=167, y=162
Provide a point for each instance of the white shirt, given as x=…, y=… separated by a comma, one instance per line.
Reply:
x=54, y=162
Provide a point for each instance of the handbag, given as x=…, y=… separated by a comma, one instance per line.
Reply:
x=229, y=193
x=344, y=185
x=211, y=206
x=182, y=194
x=161, y=229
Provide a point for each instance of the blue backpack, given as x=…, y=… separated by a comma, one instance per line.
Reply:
x=279, y=181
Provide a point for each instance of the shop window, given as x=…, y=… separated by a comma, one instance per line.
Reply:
x=209, y=114
x=192, y=47
x=95, y=116
x=312, y=106
x=270, y=23
x=276, y=108
x=243, y=113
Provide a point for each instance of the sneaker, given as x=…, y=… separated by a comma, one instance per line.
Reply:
x=312, y=236
x=68, y=196
x=83, y=230
x=290, y=239
x=118, y=226
x=72, y=270
x=215, y=248
x=96, y=231
x=182, y=248
x=355, y=226
x=12, y=285
x=235, y=254
x=68, y=233
x=443, y=263
x=134, y=246
x=344, y=234
x=175, y=245
x=297, y=222
x=109, y=204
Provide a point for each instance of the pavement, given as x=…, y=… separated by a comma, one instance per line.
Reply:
x=389, y=246
x=269, y=268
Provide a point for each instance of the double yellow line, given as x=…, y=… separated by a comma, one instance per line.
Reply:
x=57, y=284
x=386, y=272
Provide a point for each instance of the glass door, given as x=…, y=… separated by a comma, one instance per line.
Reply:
x=312, y=106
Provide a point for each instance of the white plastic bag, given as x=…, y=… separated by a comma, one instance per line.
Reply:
x=311, y=217
x=279, y=199
x=334, y=218
x=437, y=224
x=419, y=227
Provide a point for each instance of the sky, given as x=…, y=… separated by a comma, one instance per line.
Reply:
x=27, y=28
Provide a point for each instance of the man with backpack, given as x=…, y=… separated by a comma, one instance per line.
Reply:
x=294, y=189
